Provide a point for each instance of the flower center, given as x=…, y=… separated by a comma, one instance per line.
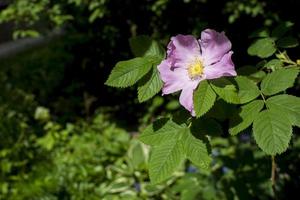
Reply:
x=195, y=69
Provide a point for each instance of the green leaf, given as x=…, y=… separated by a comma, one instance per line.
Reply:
x=262, y=48
x=47, y=142
x=137, y=154
x=172, y=105
x=247, y=89
x=274, y=64
x=204, y=98
x=288, y=104
x=226, y=90
x=127, y=73
x=188, y=187
x=161, y=131
x=150, y=85
x=252, y=72
x=171, y=144
x=245, y=117
x=144, y=46
x=243, y=91
x=196, y=150
x=165, y=159
x=278, y=81
x=260, y=33
x=272, y=132
x=287, y=42
x=281, y=29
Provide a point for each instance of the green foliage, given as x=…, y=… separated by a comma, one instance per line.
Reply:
x=127, y=73
x=245, y=117
x=59, y=142
x=272, y=131
x=260, y=33
x=166, y=158
x=97, y=8
x=226, y=90
x=150, y=85
x=242, y=91
x=204, y=98
x=287, y=104
x=274, y=64
x=280, y=30
x=288, y=42
x=172, y=143
x=236, y=8
x=262, y=48
x=144, y=46
x=30, y=12
x=196, y=150
x=144, y=67
x=85, y=160
x=159, y=131
x=28, y=15
x=247, y=89
x=278, y=81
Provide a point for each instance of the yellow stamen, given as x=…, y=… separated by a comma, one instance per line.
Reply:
x=196, y=69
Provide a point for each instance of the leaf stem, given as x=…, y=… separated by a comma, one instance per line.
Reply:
x=263, y=98
x=273, y=176
x=189, y=122
x=292, y=66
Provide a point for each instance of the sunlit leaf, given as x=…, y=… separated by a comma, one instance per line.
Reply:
x=262, y=48
x=278, y=81
x=272, y=132
x=204, y=98
x=150, y=85
x=245, y=117
x=127, y=73
x=288, y=104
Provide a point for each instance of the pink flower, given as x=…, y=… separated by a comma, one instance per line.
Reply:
x=189, y=61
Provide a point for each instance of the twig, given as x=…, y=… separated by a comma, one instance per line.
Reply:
x=273, y=177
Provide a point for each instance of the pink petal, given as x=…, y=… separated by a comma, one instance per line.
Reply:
x=174, y=79
x=214, y=46
x=186, y=97
x=182, y=50
x=224, y=67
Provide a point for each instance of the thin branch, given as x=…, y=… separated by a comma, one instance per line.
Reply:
x=273, y=176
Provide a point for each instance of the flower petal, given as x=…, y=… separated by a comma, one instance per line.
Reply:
x=213, y=46
x=182, y=50
x=186, y=97
x=174, y=80
x=224, y=67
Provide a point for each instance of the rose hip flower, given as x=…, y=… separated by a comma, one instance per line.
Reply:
x=190, y=61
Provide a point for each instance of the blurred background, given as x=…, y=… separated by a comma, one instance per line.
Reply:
x=65, y=135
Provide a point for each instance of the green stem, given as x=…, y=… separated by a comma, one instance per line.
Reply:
x=263, y=98
x=189, y=122
x=294, y=66
x=290, y=62
x=286, y=58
